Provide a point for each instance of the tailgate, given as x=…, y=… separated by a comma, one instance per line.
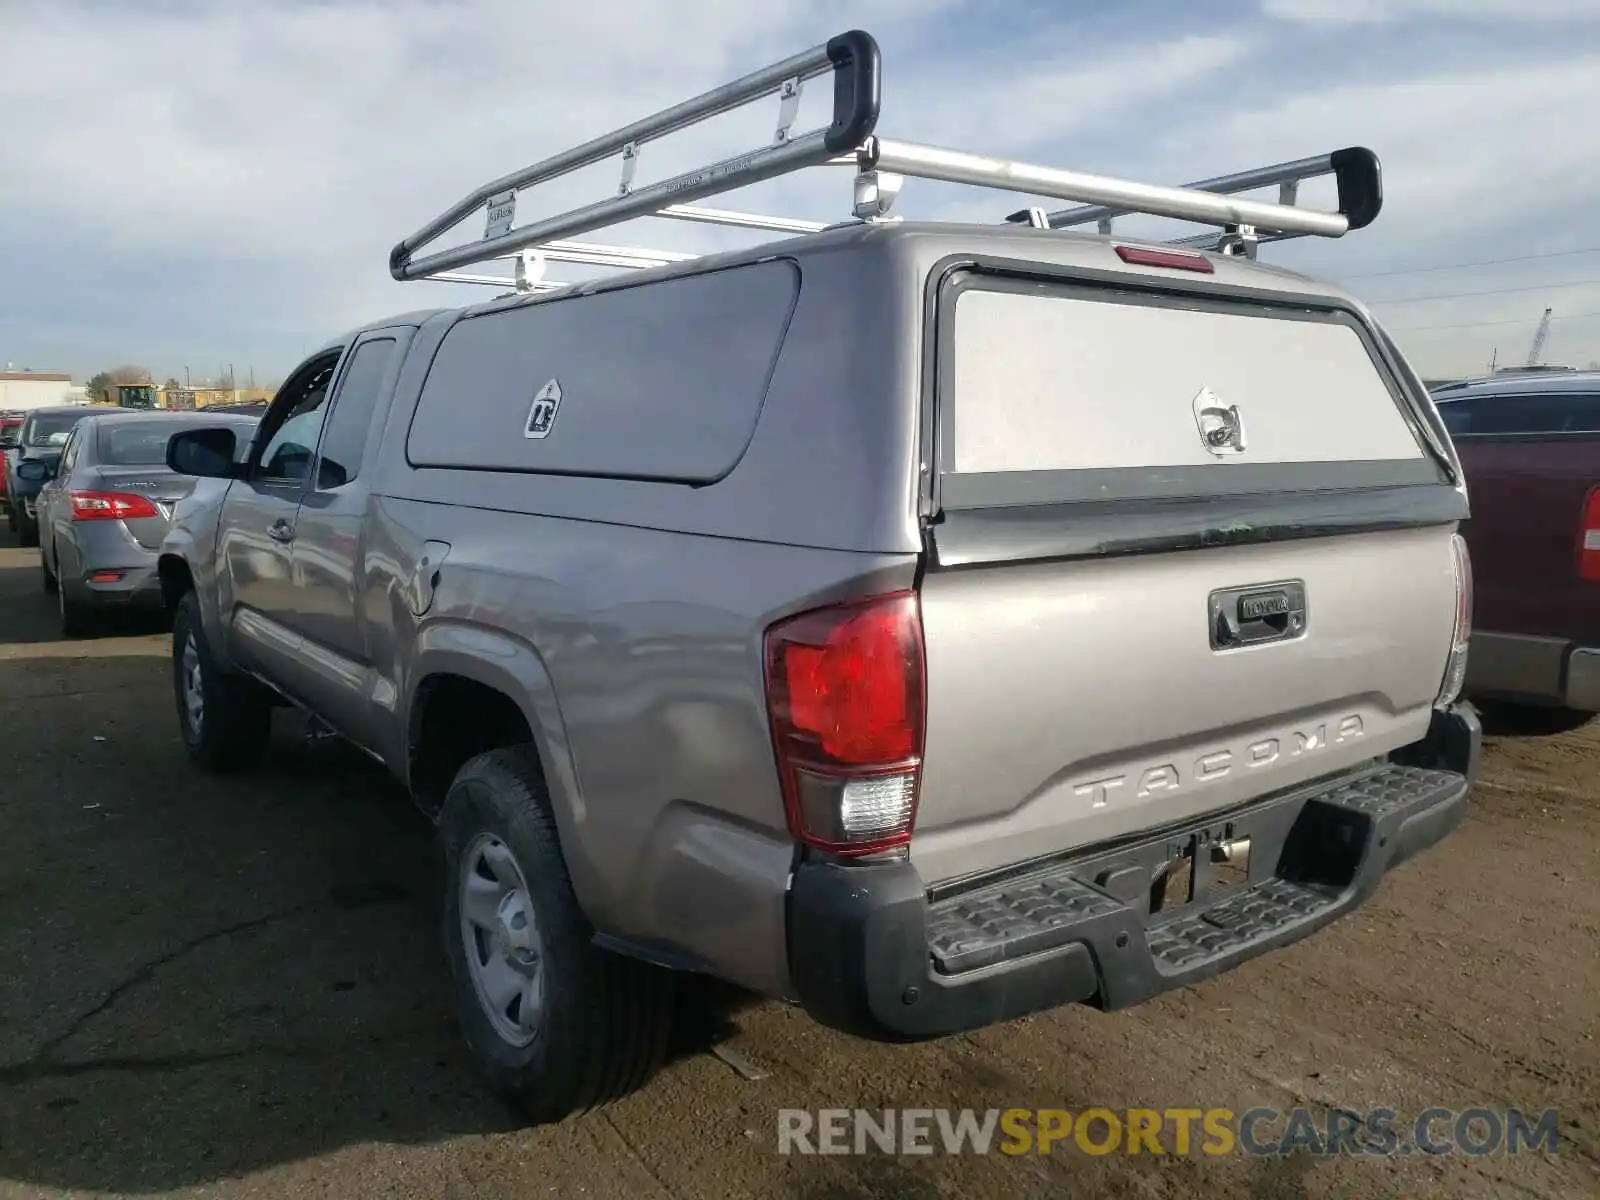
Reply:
x=1190, y=550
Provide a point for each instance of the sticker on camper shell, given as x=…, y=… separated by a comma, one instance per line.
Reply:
x=542, y=413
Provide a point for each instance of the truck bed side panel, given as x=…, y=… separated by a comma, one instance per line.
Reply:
x=673, y=827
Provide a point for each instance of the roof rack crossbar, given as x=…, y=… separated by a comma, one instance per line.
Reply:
x=881, y=165
x=593, y=255
x=741, y=220
x=500, y=281
x=1356, y=170
x=957, y=166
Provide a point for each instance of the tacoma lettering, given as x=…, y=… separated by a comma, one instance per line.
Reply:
x=1168, y=777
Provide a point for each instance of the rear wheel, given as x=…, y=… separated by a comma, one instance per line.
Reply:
x=225, y=719
x=558, y=1025
x=75, y=618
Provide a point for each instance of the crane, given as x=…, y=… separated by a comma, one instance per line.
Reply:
x=1537, y=348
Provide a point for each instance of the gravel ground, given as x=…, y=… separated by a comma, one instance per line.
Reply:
x=211, y=989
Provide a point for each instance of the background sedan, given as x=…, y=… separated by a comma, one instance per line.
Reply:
x=106, y=507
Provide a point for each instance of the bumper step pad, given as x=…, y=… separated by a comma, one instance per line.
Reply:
x=1316, y=852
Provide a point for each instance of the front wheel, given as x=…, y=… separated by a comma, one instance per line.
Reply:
x=27, y=531
x=225, y=719
x=558, y=1025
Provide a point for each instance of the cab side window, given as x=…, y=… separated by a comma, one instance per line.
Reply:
x=344, y=440
x=1528, y=414
x=1457, y=416
x=287, y=456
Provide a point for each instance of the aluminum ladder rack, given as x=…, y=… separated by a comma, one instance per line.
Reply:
x=881, y=165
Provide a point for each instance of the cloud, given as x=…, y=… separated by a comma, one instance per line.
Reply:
x=1342, y=12
x=194, y=180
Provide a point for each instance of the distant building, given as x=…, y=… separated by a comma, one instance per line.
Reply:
x=36, y=389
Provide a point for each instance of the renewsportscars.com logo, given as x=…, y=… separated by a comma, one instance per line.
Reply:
x=1257, y=1132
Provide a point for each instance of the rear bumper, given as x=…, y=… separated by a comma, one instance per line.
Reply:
x=1539, y=670
x=107, y=548
x=872, y=954
x=136, y=587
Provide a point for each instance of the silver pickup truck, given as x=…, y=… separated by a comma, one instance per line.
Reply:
x=926, y=624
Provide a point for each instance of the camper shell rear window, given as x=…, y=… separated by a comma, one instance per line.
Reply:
x=1055, y=391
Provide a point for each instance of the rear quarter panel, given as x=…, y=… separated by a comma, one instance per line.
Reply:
x=636, y=656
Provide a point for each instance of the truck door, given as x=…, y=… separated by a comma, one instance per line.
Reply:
x=334, y=672
x=255, y=546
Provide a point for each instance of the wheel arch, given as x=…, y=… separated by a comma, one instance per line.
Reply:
x=455, y=662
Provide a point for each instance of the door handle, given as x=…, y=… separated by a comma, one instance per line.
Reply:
x=281, y=530
x=1251, y=616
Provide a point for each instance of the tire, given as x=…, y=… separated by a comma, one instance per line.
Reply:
x=76, y=620
x=233, y=728
x=1530, y=720
x=50, y=581
x=27, y=532
x=603, y=1020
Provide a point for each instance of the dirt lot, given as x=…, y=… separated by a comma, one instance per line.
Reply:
x=233, y=990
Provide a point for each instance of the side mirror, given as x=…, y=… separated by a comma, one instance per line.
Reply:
x=9, y=442
x=207, y=453
x=36, y=470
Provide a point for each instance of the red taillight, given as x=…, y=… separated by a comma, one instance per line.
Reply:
x=845, y=691
x=1178, y=260
x=111, y=506
x=1589, y=538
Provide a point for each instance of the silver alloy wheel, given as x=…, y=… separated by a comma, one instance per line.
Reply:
x=500, y=933
x=194, y=697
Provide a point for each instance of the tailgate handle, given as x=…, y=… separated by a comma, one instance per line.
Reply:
x=1262, y=612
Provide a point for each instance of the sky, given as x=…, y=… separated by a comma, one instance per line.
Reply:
x=191, y=183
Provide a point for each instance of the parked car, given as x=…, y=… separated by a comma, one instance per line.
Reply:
x=1530, y=444
x=251, y=407
x=926, y=624
x=10, y=429
x=42, y=436
x=104, y=508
